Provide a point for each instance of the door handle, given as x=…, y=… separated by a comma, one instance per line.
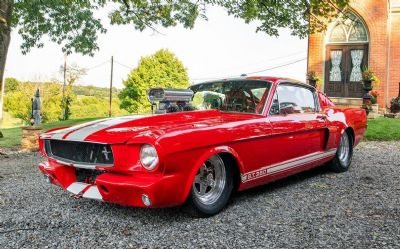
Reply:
x=322, y=117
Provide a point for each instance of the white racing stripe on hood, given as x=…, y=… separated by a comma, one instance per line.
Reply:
x=81, y=134
x=59, y=134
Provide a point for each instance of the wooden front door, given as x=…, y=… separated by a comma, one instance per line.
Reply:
x=343, y=70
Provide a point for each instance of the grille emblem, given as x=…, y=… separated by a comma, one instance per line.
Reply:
x=105, y=153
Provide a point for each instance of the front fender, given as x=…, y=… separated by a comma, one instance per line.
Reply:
x=204, y=156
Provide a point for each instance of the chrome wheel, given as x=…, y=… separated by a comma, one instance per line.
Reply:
x=210, y=181
x=344, y=150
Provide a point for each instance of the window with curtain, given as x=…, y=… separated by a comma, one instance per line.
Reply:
x=336, y=71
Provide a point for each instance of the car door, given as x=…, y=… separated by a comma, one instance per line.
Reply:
x=298, y=127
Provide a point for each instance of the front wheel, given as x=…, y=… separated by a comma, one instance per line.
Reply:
x=344, y=155
x=211, y=188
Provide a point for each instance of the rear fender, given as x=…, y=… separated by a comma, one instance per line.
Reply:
x=343, y=118
x=356, y=119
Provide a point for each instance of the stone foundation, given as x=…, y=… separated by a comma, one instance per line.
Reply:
x=374, y=112
x=392, y=115
x=30, y=138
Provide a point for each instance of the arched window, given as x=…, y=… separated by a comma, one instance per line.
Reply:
x=349, y=28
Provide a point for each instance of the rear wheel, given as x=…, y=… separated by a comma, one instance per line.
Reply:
x=211, y=188
x=344, y=154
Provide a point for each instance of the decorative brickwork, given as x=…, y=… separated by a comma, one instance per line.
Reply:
x=382, y=20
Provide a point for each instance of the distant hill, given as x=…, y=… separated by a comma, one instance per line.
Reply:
x=85, y=101
x=100, y=92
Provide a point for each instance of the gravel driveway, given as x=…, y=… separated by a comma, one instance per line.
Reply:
x=316, y=209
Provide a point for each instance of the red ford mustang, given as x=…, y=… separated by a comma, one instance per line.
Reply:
x=204, y=143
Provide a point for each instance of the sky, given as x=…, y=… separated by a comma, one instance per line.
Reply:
x=221, y=47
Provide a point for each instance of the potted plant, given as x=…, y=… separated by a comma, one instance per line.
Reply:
x=313, y=78
x=368, y=77
x=395, y=104
x=367, y=106
x=374, y=96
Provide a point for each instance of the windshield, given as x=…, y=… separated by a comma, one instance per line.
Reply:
x=244, y=96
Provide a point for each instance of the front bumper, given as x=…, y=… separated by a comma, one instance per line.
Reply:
x=162, y=190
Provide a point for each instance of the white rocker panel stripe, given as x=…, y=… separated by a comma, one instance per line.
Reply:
x=293, y=163
x=77, y=187
x=93, y=193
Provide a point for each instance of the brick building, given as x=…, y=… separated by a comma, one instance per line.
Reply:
x=366, y=34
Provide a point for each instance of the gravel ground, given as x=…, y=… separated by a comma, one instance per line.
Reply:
x=315, y=209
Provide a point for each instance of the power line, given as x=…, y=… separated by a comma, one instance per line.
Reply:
x=284, y=56
x=98, y=65
x=255, y=72
x=284, y=65
x=288, y=55
x=216, y=78
x=266, y=60
x=119, y=63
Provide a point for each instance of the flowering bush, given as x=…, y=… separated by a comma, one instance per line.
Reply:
x=375, y=93
x=312, y=75
x=395, y=105
x=374, y=96
x=368, y=75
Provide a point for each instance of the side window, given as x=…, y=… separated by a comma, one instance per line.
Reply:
x=295, y=99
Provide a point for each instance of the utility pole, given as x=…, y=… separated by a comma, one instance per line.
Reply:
x=64, y=86
x=111, y=86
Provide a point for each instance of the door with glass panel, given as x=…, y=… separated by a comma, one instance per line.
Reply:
x=298, y=127
x=346, y=55
x=343, y=70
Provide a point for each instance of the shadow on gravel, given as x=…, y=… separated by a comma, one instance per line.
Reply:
x=178, y=213
x=145, y=215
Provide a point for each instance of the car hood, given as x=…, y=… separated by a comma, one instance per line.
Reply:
x=142, y=128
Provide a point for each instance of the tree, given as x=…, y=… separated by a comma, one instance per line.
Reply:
x=11, y=85
x=18, y=102
x=161, y=69
x=72, y=74
x=68, y=23
x=72, y=24
x=94, y=106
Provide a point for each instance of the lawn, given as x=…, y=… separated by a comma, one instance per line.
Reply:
x=12, y=136
x=383, y=129
x=9, y=121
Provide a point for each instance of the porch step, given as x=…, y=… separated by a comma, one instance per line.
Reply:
x=347, y=102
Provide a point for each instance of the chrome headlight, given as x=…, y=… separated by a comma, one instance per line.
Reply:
x=148, y=157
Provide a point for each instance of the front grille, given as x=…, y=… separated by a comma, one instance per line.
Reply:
x=79, y=152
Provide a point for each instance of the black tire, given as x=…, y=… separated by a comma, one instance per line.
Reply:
x=196, y=205
x=344, y=155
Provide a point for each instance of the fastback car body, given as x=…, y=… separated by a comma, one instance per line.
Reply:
x=201, y=156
